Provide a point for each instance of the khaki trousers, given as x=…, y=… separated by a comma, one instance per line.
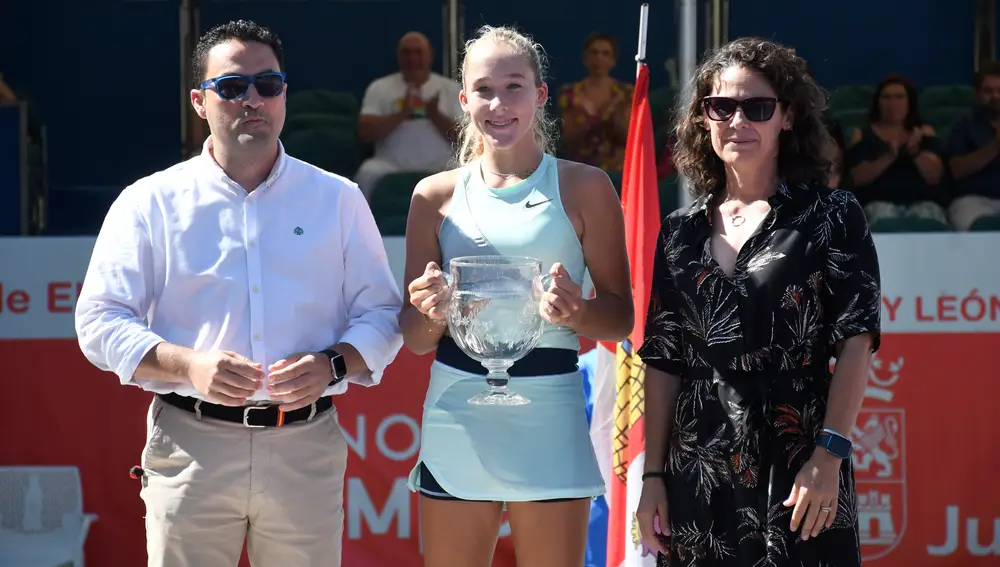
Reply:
x=210, y=484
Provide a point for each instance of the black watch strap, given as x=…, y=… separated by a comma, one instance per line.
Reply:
x=836, y=444
x=338, y=366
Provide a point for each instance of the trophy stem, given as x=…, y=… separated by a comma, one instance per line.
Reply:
x=498, y=395
x=498, y=379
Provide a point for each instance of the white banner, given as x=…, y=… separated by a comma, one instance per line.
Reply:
x=931, y=283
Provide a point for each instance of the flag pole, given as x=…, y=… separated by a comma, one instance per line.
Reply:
x=640, y=57
x=688, y=62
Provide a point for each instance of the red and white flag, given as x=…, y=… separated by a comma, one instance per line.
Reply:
x=617, y=363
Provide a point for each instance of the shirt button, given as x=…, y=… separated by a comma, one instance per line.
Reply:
x=255, y=289
x=253, y=244
x=256, y=336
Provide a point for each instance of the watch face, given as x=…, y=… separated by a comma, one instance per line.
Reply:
x=339, y=366
x=839, y=446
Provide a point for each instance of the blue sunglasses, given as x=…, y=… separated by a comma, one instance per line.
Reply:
x=230, y=87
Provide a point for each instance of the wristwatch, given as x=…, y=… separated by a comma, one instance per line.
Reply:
x=834, y=443
x=338, y=367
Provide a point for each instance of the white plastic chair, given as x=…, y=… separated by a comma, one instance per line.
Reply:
x=42, y=523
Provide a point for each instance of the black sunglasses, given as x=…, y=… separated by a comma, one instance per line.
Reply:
x=755, y=109
x=229, y=87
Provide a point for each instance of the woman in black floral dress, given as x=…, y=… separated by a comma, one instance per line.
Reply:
x=756, y=286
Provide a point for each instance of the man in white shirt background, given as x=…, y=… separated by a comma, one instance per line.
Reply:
x=410, y=115
x=245, y=288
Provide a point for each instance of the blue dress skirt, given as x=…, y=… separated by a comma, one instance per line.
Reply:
x=538, y=451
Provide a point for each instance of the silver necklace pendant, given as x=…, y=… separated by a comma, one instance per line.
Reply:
x=737, y=220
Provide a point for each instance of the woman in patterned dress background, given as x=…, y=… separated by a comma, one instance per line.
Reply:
x=756, y=286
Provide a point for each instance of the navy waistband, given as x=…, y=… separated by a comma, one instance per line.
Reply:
x=539, y=362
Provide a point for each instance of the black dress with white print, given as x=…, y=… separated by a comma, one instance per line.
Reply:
x=753, y=352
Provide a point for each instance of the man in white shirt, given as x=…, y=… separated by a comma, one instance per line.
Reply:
x=411, y=116
x=266, y=288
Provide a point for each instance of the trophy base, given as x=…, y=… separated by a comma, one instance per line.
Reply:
x=499, y=397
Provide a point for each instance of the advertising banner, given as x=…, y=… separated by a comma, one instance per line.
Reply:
x=926, y=454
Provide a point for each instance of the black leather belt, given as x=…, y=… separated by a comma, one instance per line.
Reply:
x=249, y=416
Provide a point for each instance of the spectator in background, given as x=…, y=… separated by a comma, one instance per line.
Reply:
x=894, y=161
x=974, y=147
x=837, y=136
x=6, y=94
x=595, y=111
x=836, y=131
x=410, y=115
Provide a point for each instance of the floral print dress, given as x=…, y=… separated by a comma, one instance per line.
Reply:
x=603, y=145
x=753, y=352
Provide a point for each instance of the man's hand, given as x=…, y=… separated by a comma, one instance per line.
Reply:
x=224, y=377
x=411, y=101
x=431, y=105
x=299, y=379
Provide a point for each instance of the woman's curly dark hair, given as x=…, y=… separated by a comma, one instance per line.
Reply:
x=913, y=119
x=804, y=152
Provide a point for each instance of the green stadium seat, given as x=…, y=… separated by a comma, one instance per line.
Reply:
x=909, y=224
x=393, y=225
x=942, y=118
x=669, y=194
x=661, y=105
x=323, y=102
x=851, y=97
x=332, y=149
x=947, y=95
x=297, y=122
x=392, y=194
x=850, y=119
x=986, y=224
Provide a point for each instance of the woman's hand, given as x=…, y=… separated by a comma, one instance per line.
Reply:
x=913, y=142
x=563, y=299
x=814, y=494
x=651, y=515
x=895, y=146
x=429, y=293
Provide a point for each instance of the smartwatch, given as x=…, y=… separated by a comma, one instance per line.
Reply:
x=338, y=367
x=834, y=443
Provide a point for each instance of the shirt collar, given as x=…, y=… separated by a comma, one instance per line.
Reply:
x=700, y=208
x=279, y=164
x=702, y=204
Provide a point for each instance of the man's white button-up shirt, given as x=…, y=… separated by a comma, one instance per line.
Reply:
x=296, y=265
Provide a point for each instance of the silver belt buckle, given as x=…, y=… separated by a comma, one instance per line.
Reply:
x=246, y=415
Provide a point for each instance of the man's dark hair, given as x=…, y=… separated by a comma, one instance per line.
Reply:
x=244, y=31
x=990, y=69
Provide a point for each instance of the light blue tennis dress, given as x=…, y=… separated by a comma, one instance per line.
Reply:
x=538, y=451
